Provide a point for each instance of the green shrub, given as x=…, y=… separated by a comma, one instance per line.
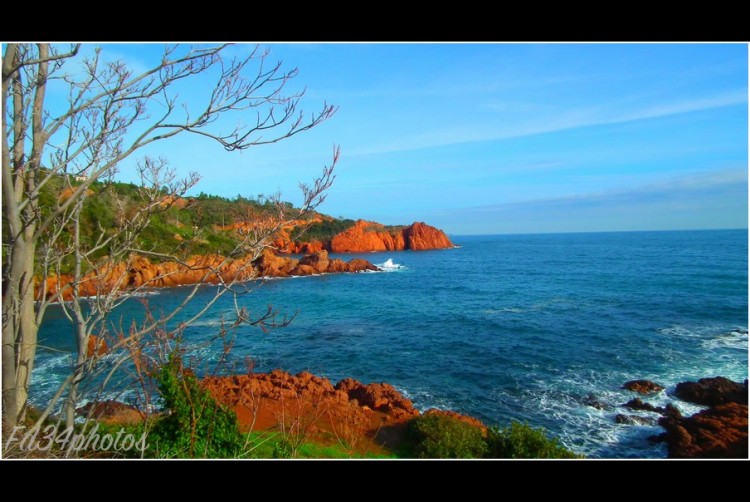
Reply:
x=523, y=441
x=321, y=230
x=441, y=436
x=195, y=425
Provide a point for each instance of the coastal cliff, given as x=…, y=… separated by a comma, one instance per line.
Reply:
x=366, y=236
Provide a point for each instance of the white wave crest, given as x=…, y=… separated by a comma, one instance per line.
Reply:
x=389, y=266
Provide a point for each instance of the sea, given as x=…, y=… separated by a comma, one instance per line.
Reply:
x=543, y=329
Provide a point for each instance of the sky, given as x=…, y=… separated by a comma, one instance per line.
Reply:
x=501, y=138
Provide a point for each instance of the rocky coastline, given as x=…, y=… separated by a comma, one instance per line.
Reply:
x=140, y=272
x=718, y=431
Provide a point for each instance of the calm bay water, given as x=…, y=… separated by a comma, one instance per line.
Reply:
x=531, y=327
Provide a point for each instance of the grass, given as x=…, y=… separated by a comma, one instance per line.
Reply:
x=267, y=444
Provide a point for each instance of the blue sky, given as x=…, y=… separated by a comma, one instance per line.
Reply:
x=505, y=138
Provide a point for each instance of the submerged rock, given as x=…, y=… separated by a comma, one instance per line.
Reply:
x=593, y=402
x=638, y=404
x=634, y=420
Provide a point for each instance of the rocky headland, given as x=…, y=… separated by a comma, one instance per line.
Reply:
x=367, y=236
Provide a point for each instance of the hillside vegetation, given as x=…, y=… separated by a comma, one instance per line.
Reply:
x=198, y=225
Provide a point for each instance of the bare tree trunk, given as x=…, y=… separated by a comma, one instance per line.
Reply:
x=19, y=328
x=19, y=320
x=79, y=321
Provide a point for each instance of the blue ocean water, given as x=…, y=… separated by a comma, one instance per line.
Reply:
x=529, y=327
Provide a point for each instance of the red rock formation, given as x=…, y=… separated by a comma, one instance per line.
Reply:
x=642, y=386
x=378, y=396
x=420, y=236
x=350, y=411
x=718, y=432
x=373, y=415
x=367, y=236
x=712, y=391
x=363, y=237
x=141, y=272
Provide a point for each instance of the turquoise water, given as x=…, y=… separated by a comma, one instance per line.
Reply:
x=531, y=327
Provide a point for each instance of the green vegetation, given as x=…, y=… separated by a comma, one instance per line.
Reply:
x=270, y=444
x=520, y=440
x=322, y=230
x=441, y=436
x=193, y=225
x=195, y=425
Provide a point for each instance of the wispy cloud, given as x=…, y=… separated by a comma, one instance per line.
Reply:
x=572, y=119
x=695, y=182
x=700, y=200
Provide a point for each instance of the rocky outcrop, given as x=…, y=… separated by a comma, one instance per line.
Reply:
x=140, y=272
x=351, y=411
x=271, y=265
x=642, y=386
x=111, y=412
x=717, y=432
x=712, y=391
x=370, y=416
x=420, y=237
x=367, y=236
x=378, y=396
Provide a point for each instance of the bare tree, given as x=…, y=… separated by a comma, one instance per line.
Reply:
x=111, y=113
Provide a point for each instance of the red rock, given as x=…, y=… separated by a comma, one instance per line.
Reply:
x=712, y=391
x=420, y=236
x=642, y=386
x=140, y=272
x=318, y=261
x=361, y=238
x=718, y=432
x=378, y=396
x=337, y=265
x=111, y=412
x=360, y=265
x=366, y=236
